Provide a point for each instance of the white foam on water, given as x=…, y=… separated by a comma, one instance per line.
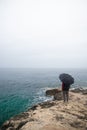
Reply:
x=41, y=96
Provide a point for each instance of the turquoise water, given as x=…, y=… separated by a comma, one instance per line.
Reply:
x=22, y=88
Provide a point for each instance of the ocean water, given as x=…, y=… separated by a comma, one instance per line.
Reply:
x=22, y=88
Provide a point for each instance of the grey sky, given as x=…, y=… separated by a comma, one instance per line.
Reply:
x=43, y=33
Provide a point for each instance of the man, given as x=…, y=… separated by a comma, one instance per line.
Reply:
x=65, y=89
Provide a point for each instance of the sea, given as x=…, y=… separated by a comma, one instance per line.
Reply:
x=21, y=88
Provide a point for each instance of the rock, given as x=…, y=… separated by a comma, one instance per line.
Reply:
x=53, y=127
x=84, y=92
x=21, y=124
x=79, y=90
x=11, y=128
x=47, y=104
x=6, y=125
x=58, y=96
x=16, y=122
x=56, y=93
x=53, y=115
x=52, y=92
x=33, y=107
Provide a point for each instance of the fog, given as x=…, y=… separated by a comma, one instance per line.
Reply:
x=43, y=33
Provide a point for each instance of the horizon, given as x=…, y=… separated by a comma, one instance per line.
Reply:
x=39, y=68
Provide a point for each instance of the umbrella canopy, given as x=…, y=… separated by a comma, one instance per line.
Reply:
x=66, y=78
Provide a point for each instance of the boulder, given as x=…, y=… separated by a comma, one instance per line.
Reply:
x=56, y=93
x=52, y=92
x=58, y=96
x=79, y=90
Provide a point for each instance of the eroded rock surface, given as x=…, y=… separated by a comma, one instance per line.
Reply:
x=52, y=92
x=53, y=115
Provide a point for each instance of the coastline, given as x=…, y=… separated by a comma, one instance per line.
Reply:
x=53, y=115
x=19, y=94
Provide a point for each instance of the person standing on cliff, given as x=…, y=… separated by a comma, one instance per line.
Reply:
x=65, y=90
x=67, y=80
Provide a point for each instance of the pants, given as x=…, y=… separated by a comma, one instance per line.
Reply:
x=65, y=96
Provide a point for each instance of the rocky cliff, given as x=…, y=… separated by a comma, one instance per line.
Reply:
x=53, y=115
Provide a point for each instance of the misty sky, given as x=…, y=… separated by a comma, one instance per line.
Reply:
x=43, y=33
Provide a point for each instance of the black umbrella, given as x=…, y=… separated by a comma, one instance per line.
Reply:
x=66, y=78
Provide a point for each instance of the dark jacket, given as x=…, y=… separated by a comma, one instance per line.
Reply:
x=65, y=87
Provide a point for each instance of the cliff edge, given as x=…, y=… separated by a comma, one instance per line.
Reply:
x=53, y=115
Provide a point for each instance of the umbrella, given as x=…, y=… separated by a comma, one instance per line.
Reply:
x=66, y=78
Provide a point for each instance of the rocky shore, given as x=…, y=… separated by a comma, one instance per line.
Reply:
x=53, y=115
